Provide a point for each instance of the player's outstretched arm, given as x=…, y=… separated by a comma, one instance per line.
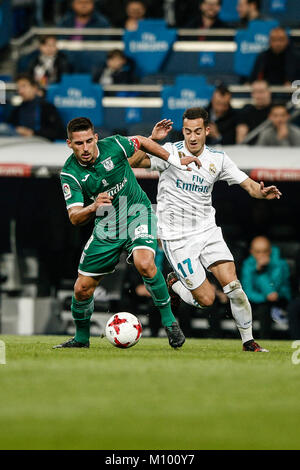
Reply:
x=139, y=160
x=259, y=191
x=151, y=147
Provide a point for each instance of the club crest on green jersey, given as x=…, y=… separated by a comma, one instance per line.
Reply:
x=108, y=164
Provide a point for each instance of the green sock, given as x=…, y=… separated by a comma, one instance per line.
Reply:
x=82, y=312
x=82, y=330
x=157, y=287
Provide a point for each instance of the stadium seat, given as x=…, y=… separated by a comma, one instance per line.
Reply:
x=287, y=12
x=85, y=61
x=76, y=95
x=6, y=25
x=282, y=232
x=228, y=12
x=149, y=45
x=288, y=249
x=188, y=91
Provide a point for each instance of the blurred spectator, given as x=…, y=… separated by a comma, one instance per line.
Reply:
x=83, y=15
x=50, y=64
x=207, y=16
x=135, y=11
x=222, y=118
x=278, y=64
x=252, y=115
x=117, y=69
x=35, y=116
x=115, y=10
x=248, y=10
x=265, y=278
x=281, y=132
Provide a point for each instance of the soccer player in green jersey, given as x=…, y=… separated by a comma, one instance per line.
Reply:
x=97, y=181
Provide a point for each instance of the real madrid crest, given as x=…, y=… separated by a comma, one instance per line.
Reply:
x=181, y=155
x=188, y=283
x=212, y=169
x=108, y=164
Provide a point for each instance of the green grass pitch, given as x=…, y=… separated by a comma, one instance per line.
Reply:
x=207, y=395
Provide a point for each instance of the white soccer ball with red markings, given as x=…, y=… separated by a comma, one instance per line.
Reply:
x=123, y=330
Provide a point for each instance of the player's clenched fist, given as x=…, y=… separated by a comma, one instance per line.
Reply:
x=103, y=199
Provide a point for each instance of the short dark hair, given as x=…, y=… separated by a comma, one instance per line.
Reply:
x=196, y=113
x=219, y=2
x=116, y=52
x=257, y=3
x=79, y=124
x=43, y=39
x=28, y=77
x=143, y=2
x=278, y=104
x=223, y=90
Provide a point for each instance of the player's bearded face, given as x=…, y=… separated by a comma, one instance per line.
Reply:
x=195, y=134
x=84, y=146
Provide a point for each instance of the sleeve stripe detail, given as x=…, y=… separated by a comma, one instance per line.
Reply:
x=71, y=176
x=75, y=204
x=121, y=147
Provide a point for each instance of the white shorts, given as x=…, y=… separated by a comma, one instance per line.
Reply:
x=190, y=256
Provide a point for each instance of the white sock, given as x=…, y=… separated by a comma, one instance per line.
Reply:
x=240, y=308
x=185, y=294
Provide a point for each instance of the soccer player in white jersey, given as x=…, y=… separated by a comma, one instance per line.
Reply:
x=186, y=220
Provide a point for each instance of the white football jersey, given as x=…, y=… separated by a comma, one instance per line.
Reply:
x=184, y=204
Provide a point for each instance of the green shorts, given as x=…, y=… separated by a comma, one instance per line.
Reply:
x=101, y=255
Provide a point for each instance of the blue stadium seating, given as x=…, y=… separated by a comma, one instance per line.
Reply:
x=149, y=45
x=75, y=96
x=188, y=91
x=287, y=12
x=5, y=22
x=229, y=12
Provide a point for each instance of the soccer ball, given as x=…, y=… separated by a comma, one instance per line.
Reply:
x=123, y=330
